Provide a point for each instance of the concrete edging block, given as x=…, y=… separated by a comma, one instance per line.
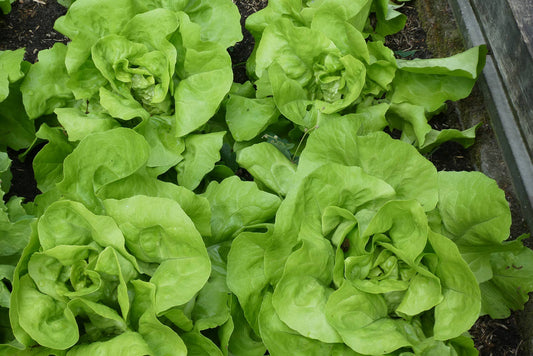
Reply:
x=507, y=119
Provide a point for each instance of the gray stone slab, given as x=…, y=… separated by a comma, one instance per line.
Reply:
x=523, y=14
x=512, y=56
x=507, y=80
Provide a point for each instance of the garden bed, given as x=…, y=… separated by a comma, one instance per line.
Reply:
x=30, y=25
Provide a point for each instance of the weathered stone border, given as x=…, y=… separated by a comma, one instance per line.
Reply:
x=507, y=85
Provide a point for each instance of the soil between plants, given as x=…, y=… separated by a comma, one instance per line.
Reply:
x=30, y=25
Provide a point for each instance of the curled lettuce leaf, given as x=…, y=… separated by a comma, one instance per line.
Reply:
x=269, y=166
x=246, y=115
x=116, y=153
x=218, y=19
x=236, y=205
x=201, y=153
x=430, y=82
x=169, y=240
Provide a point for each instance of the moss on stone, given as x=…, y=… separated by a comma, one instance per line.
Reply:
x=442, y=37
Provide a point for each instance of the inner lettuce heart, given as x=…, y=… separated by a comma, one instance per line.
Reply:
x=305, y=71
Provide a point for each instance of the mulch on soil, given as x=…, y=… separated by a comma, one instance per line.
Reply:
x=30, y=25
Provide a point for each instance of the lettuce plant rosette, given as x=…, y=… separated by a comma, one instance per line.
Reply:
x=75, y=280
x=120, y=67
x=92, y=280
x=355, y=263
x=131, y=234
x=315, y=59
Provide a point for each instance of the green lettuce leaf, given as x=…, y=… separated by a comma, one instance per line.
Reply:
x=136, y=345
x=170, y=240
x=159, y=337
x=45, y=86
x=143, y=183
x=248, y=117
x=397, y=163
x=246, y=277
x=5, y=6
x=115, y=154
x=10, y=67
x=16, y=129
x=205, y=73
x=282, y=340
x=362, y=318
x=165, y=149
x=237, y=337
x=389, y=21
x=202, y=151
x=236, y=205
x=212, y=307
x=78, y=123
x=219, y=19
x=430, y=82
x=197, y=344
x=269, y=166
x=412, y=120
x=48, y=163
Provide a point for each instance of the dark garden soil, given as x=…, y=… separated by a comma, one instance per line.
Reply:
x=30, y=25
x=242, y=50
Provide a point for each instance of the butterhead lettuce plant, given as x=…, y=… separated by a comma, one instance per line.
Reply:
x=119, y=61
x=76, y=279
x=323, y=57
x=356, y=260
